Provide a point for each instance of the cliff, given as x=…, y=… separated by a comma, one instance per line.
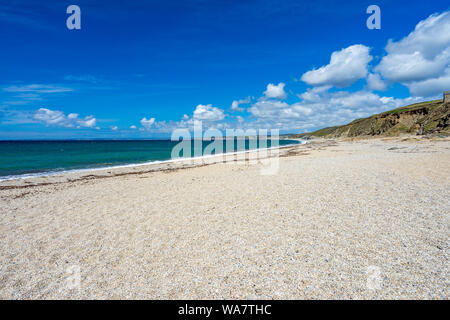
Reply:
x=432, y=117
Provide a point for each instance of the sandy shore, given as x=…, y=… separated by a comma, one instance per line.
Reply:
x=363, y=219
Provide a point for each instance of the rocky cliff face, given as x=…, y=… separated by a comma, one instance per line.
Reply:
x=423, y=118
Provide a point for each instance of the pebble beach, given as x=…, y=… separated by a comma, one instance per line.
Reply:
x=365, y=219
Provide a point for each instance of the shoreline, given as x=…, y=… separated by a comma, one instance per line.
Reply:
x=62, y=173
x=131, y=165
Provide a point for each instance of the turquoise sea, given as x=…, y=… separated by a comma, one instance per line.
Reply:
x=24, y=158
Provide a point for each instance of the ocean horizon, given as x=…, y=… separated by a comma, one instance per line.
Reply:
x=28, y=158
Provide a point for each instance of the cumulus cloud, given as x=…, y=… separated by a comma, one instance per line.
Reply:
x=401, y=67
x=275, y=91
x=270, y=110
x=88, y=122
x=421, y=59
x=321, y=108
x=375, y=82
x=58, y=118
x=236, y=103
x=132, y=127
x=333, y=108
x=345, y=68
x=430, y=87
x=208, y=113
x=50, y=117
x=147, y=123
x=114, y=128
x=318, y=107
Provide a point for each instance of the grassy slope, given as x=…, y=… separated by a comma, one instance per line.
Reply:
x=420, y=118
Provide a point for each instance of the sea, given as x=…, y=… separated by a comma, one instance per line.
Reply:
x=23, y=159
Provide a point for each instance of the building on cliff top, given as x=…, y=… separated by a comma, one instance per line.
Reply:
x=446, y=96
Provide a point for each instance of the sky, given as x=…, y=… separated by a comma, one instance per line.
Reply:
x=140, y=69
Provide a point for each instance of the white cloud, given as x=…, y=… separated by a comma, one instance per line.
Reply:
x=401, y=67
x=318, y=107
x=236, y=103
x=37, y=88
x=147, y=123
x=275, y=91
x=422, y=59
x=341, y=107
x=88, y=122
x=430, y=87
x=114, y=128
x=28, y=96
x=267, y=108
x=374, y=82
x=51, y=117
x=321, y=108
x=271, y=110
x=132, y=127
x=58, y=118
x=345, y=68
x=313, y=94
x=208, y=113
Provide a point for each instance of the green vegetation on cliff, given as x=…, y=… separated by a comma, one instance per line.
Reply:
x=432, y=117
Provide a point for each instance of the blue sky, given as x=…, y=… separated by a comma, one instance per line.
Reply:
x=140, y=69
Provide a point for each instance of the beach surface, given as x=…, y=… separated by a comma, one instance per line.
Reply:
x=366, y=219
